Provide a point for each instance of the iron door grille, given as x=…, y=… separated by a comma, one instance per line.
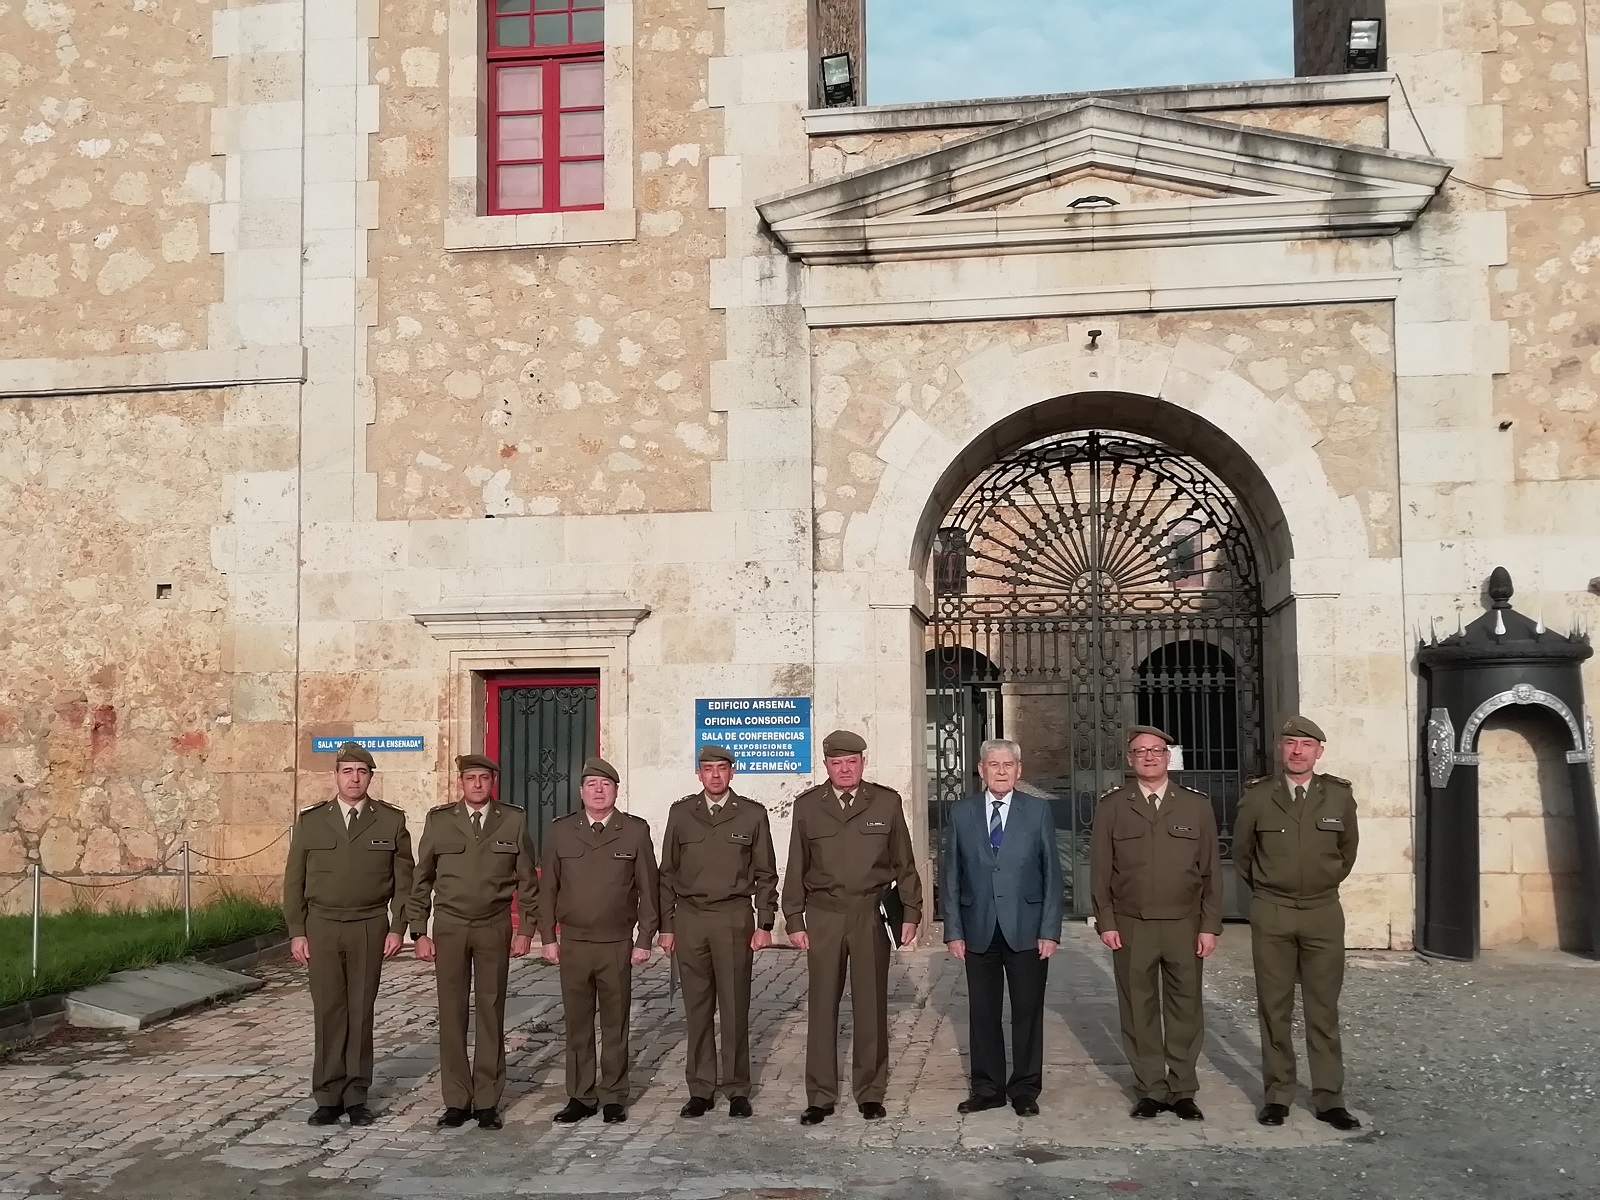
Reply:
x=1083, y=584
x=540, y=728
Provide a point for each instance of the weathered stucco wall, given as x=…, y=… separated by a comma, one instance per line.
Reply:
x=105, y=144
x=560, y=380
x=109, y=699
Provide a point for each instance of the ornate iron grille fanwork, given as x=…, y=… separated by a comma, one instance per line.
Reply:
x=1108, y=581
x=545, y=730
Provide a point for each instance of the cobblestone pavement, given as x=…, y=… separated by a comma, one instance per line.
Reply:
x=215, y=1103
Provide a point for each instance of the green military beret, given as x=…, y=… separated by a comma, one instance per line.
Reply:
x=842, y=741
x=354, y=752
x=600, y=767
x=1298, y=726
x=1135, y=730
x=475, y=762
x=711, y=752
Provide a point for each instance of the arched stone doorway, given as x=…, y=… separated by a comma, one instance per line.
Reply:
x=1083, y=582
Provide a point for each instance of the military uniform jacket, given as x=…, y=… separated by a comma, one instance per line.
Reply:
x=599, y=887
x=470, y=877
x=721, y=861
x=348, y=874
x=838, y=860
x=1155, y=866
x=1296, y=854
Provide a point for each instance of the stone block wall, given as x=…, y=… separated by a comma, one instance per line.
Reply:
x=1530, y=886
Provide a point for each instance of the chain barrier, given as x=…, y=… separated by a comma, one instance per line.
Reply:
x=184, y=850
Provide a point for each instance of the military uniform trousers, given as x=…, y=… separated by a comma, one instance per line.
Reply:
x=714, y=965
x=853, y=943
x=472, y=960
x=346, y=961
x=1158, y=978
x=597, y=978
x=1305, y=946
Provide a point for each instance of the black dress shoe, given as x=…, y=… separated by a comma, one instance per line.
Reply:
x=575, y=1111
x=489, y=1118
x=615, y=1114
x=1339, y=1118
x=816, y=1114
x=977, y=1104
x=873, y=1111
x=739, y=1106
x=326, y=1114
x=1025, y=1106
x=1147, y=1110
x=1273, y=1114
x=1187, y=1110
x=697, y=1107
x=454, y=1118
x=359, y=1114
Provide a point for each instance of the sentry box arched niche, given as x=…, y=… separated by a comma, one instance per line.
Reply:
x=1500, y=660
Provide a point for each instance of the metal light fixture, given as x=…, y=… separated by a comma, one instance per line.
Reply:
x=1361, y=49
x=838, y=81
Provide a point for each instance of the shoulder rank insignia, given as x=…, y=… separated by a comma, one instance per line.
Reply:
x=446, y=807
x=1336, y=779
x=314, y=807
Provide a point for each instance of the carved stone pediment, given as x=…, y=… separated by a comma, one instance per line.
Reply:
x=1175, y=179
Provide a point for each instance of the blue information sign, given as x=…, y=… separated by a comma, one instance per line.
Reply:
x=327, y=745
x=768, y=736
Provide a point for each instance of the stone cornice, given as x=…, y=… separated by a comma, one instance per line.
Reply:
x=594, y=617
x=1373, y=87
x=942, y=203
x=167, y=371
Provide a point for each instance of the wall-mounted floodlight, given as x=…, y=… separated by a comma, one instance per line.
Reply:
x=1361, y=49
x=838, y=81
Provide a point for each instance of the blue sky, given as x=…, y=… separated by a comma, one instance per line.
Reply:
x=958, y=49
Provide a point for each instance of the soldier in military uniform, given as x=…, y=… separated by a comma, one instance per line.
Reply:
x=601, y=888
x=474, y=853
x=1294, y=843
x=715, y=858
x=1157, y=887
x=344, y=896
x=848, y=843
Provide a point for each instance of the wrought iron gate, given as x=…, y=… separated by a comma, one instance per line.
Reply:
x=540, y=728
x=1083, y=584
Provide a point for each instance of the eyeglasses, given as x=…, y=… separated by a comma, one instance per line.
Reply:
x=1158, y=752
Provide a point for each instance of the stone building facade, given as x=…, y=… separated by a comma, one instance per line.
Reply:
x=304, y=436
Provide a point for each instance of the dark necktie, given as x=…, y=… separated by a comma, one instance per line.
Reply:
x=1299, y=794
x=598, y=826
x=477, y=824
x=350, y=818
x=846, y=799
x=997, y=831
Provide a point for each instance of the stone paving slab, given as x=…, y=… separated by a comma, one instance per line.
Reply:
x=228, y=1086
x=140, y=998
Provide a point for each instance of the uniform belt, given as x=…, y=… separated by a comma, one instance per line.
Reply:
x=365, y=913
x=843, y=906
x=731, y=904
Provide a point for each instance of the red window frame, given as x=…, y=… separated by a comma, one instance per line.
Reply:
x=502, y=17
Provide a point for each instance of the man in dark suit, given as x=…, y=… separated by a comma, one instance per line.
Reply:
x=1001, y=903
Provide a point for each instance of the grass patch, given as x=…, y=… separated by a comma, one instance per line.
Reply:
x=82, y=945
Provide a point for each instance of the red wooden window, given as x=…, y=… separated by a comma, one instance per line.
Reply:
x=546, y=105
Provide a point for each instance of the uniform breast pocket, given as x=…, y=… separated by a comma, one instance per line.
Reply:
x=1331, y=824
x=322, y=856
x=504, y=848
x=875, y=828
x=742, y=839
x=450, y=848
